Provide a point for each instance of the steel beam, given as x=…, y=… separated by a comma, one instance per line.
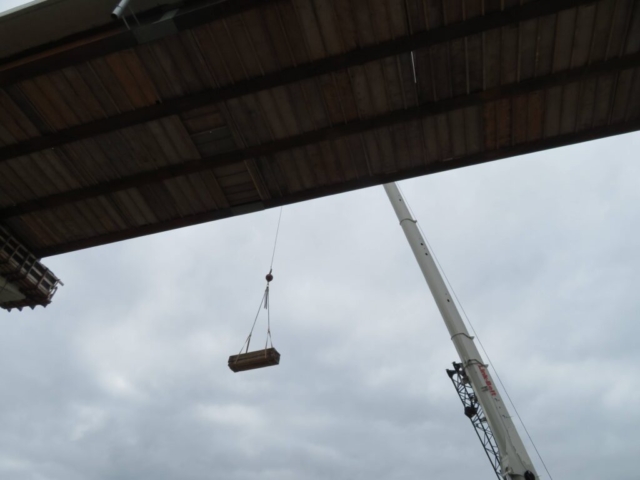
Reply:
x=302, y=140
x=483, y=157
x=287, y=76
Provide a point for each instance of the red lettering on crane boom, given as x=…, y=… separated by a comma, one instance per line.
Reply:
x=487, y=381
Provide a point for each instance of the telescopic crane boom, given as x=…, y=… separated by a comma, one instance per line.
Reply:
x=513, y=460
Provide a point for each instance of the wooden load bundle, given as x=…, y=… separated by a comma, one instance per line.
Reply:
x=252, y=360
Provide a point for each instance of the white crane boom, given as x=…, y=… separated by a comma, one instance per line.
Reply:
x=515, y=462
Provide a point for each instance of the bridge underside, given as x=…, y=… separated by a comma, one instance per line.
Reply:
x=203, y=110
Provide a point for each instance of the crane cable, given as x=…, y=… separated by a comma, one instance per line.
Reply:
x=264, y=301
x=476, y=335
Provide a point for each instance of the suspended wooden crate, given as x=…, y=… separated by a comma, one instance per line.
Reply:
x=252, y=360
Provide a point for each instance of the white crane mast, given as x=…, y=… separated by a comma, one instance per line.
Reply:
x=514, y=460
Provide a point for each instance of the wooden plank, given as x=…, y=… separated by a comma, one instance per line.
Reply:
x=379, y=14
x=387, y=148
x=473, y=129
x=141, y=77
x=261, y=39
x=284, y=166
x=113, y=213
x=458, y=65
x=111, y=85
x=361, y=92
x=458, y=134
x=331, y=162
x=243, y=46
x=364, y=23
x=583, y=35
x=587, y=103
x=633, y=107
x=28, y=170
x=129, y=208
x=104, y=215
x=552, y=111
x=527, y=40
x=160, y=201
x=97, y=90
x=346, y=24
x=431, y=140
x=632, y=43
x=182, y=63
x=196, y=201
x=277, y=41
x=492, y=65
x=372, y=151
x=331, y=100
x=622, y=96
x=329, y=27
x=569, y=107
x=401, y=152
x=602, y=30
x=606, y=91
x=308, y=21
x=157, y=61
x=504, y=122
x=393, y=83
x=345, y=92
x=207, y=111
x=118, y=63
x=315, y=104
x=345, y=160
x=509, y=54
x=84, y=95
x=270, y=115
x=519, y=119
x=619, y=27
x=434, y=14
x=254, y=113
x=66, y=111
x=547, y=30
x=358, y=155
x=17, y=124
x=474, y=54
x=441, y=71
x=444, y=136
x=398, y=18
x=38, y=107
x=215, y=190
x=294, y=32
x=142, y=206
x=67, y=98
x=24, y=227
x=490, y=127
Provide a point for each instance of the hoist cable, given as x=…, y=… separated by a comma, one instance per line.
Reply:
x=455, y=296
x=265, y=300
x=248, y=340
x=275, y=243
x=268, y=307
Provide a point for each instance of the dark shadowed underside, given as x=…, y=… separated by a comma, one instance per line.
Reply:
x=211, y=109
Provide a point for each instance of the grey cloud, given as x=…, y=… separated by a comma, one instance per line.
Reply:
x=124, y=376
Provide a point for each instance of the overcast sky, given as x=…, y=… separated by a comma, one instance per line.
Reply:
x=125, y=375
x=9, y=4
